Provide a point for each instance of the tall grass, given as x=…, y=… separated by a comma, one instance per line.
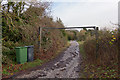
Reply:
x=107, y=55
x=104, y=62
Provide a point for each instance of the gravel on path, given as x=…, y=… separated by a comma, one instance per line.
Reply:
x=68, y=66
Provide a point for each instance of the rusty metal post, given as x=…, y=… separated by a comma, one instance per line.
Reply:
x=39, y=39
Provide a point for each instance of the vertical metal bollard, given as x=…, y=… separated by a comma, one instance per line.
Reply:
x=39, y=40
x=97, y=45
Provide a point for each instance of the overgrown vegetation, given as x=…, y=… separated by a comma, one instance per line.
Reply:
x=104, y=63
x=20, y=28
x=72, y=34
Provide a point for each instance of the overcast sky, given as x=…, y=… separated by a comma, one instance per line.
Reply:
x=86, y=12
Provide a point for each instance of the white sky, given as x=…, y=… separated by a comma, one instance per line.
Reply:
x=86, y=12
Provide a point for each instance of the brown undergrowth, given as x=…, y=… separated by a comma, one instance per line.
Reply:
x=104, y=63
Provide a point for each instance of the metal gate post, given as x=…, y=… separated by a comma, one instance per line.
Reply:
x=97, y=45
x=39, y=40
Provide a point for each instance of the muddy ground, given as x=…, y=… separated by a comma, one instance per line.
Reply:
x=66, y=65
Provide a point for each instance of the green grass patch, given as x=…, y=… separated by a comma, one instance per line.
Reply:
x=5, y=72
x=32, y=64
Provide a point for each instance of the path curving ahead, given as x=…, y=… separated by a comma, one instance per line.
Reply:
x=67, y=66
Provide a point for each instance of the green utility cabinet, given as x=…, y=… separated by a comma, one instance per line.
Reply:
x=21, y=54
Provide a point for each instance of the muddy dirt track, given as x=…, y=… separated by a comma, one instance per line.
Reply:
x=66, y=65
